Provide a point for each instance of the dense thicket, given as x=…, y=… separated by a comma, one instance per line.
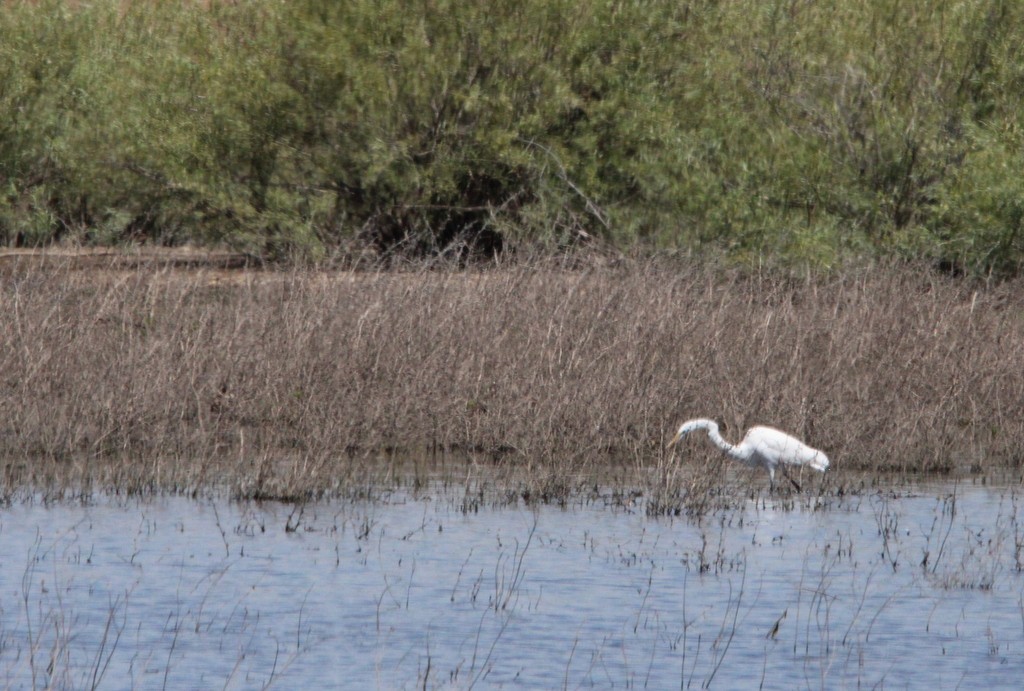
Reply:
x=804, y=131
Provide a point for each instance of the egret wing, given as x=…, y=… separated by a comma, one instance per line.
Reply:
x=782, y=448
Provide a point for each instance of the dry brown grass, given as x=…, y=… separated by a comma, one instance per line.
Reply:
x=283, y=383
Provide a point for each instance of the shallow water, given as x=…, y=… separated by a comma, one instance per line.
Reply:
x=174, y=593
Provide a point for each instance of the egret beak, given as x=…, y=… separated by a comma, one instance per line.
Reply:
x=674, y=440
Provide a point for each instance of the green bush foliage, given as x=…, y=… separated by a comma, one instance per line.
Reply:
x=798, y=132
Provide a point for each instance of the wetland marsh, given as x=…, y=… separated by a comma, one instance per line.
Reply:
x=458, y=478
x=914, y=587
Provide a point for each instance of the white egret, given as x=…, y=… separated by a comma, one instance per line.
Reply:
x=766, y=447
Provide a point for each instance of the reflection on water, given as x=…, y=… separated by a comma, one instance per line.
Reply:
x=912, y=590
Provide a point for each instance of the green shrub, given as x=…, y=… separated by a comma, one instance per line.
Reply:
x=780, y=131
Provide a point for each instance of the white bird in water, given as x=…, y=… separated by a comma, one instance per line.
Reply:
x=766, y=447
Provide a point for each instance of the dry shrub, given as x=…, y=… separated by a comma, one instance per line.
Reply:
x=292, y=383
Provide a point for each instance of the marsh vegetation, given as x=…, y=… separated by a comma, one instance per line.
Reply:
x=304, y=383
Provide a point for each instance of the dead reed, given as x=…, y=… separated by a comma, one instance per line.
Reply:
x=277, y=383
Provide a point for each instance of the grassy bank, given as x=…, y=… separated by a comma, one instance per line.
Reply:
x=150, y=376
x=801, y=132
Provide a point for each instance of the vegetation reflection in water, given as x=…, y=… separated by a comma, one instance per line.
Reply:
x=896, y=587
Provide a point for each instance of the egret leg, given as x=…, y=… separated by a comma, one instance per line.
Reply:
x=790, y=478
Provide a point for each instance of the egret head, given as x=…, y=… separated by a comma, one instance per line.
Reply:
x=819, y=461
x=691, y=425
x=686, y=428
